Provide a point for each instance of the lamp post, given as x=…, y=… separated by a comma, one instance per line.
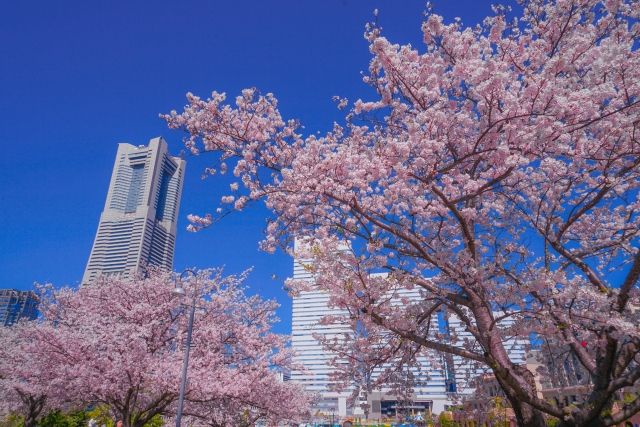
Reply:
x=185, y=362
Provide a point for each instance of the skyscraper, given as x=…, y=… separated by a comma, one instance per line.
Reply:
x=138, y=224
x=313, y=361
x=467, y=372
x=438, y=378
x=16, y=305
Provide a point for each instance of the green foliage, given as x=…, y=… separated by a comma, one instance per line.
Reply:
x=445, y=419
x=12, y=420
x=101, y=416
x=60, y=419
x=498, y=403
x=156, y=421
x=552, y=422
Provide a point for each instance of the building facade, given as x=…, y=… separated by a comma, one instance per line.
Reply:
x=440, y=380
x=314, y=361
x=466, y=372
x=138, y=224
x=16, y=305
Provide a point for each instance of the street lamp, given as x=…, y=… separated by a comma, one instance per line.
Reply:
x=179, y=290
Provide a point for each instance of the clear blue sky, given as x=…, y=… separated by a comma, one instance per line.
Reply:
x=77, y=77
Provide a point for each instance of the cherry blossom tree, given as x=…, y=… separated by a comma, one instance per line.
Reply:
x=118, y=343
x=257, y=397
x=497, y=170
x=28, y=386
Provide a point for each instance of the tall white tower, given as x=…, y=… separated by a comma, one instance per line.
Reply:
x=138, y=224
x=313, y=360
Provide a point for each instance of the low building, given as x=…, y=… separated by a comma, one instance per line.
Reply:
x=386, y=407
x=560, y=378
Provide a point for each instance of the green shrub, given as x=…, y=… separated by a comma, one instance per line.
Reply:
x=61, y=419
x=12, y=420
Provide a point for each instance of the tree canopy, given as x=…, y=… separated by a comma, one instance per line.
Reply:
x=496, y=169
x=118, y=343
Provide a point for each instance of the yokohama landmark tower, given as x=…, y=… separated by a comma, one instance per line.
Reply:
x=138, y=224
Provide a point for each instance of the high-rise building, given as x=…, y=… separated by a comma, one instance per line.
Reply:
x=138, y=224
x=314, y=361
x=16, y=305
x=467, y=372
x=439, y=379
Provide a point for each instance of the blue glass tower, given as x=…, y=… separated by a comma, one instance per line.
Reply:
x=16, y=305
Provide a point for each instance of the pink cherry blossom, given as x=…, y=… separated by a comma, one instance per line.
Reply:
x=497, y=171
x=118, y=343
x=28, y=385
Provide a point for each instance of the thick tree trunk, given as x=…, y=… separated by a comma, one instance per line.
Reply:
x=526, y=415
x=584, y=420
x=34, y=405
x=30, y=420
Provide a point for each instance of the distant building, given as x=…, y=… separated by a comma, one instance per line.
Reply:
x=16, y=305
x=284, y=375
x=559, y=375
x=138, y=224
x=313, y=361
x=466, y=371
